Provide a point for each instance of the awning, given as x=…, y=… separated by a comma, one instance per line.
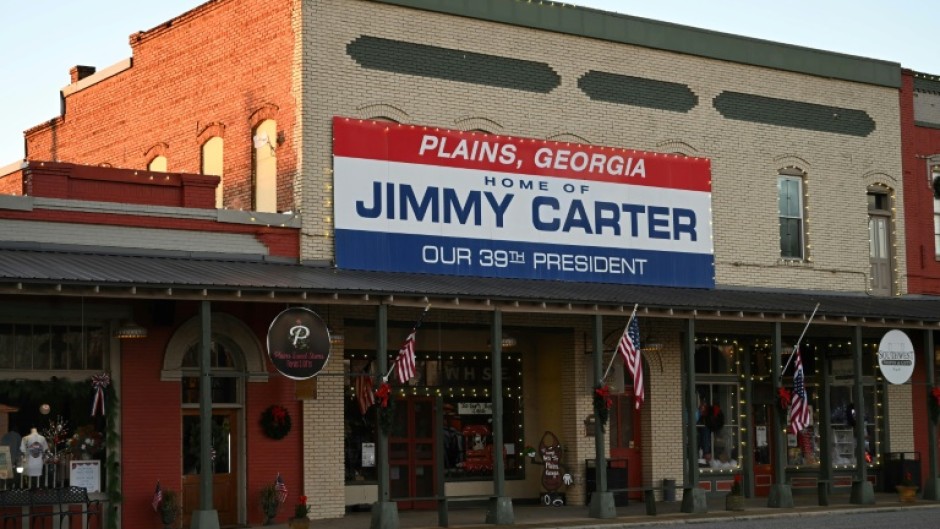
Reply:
x=39, y=272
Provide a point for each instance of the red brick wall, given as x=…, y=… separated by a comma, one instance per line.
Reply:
x=151, y=428
x=212, y=68
x=12, y=184
x=922, y=266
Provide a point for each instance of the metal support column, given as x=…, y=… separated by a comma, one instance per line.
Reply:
x=384, y=511
x=206, y=517
x=500, y=511
x=693, y=497
x=862, y=491
x=602, y=500
x=781, y=495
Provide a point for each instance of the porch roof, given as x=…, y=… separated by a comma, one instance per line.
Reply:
x=186, y=276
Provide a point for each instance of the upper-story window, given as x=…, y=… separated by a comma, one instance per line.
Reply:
x=157, y=164
x=790, y=211
x=52, y=347
x=264, y=192
x=212, y=164
x=934, y=169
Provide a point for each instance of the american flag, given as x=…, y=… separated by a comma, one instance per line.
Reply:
x=364, y=393
x=799, y=405
x=629, y=349
x=405, y=362
x=280, y=488
x=157, y=497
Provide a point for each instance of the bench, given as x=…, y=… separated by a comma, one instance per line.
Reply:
x=443, y=503
x=34, y=505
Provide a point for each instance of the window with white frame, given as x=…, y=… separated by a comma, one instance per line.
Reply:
x=790, y=211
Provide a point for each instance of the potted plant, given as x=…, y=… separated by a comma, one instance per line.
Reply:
x=734, y=501
x=301, y=510
x=170, y=509
x=269, y=504
x=907, y=490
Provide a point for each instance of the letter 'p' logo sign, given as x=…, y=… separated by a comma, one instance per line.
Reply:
x=298, y=343
x=299, y=333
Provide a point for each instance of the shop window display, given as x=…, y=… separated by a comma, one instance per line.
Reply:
x=463, y=380
x=717, y=414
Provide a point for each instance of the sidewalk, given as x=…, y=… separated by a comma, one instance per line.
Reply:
x=573, y=517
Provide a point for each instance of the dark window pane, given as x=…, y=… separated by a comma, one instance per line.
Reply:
x=23, y=347
x=7, y=344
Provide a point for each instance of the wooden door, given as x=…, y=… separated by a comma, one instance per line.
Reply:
x=625, y=450
x=411, y=446
x=225, y=465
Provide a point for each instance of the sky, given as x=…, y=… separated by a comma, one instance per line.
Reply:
x=42, y=39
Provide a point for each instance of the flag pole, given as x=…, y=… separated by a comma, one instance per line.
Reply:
x=800, y=339
x=625, y=329
x=417, y=324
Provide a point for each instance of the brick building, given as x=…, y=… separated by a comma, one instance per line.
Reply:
x=784, y=174
x=920, y=121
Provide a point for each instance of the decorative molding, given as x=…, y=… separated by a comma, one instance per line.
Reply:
x=249, y=355
x=383, y=111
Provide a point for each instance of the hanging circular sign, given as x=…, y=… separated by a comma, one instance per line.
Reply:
x=896, y=357
x=298, y=343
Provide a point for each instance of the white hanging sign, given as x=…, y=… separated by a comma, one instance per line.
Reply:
x=896, y=357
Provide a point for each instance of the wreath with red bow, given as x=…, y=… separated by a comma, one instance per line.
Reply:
x=784, y=397
x=602, y=403
x=386, y=407
x=275, y=421
x=934, y=402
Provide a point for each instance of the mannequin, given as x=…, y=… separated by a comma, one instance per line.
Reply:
x=33, y=446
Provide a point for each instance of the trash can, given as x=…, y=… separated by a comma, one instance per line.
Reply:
x=898, y=466
x=669, y=489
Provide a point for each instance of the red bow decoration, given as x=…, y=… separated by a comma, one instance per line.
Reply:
x=279, y=413
x=99, y=382
x=603, y=392
x=382, y=393
x=785, y=397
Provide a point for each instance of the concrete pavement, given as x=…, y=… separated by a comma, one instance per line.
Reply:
x=531, y=516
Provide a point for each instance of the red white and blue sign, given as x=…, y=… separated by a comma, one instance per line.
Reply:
x=409, y=198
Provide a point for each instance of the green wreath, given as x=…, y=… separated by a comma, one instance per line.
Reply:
x=275, y=421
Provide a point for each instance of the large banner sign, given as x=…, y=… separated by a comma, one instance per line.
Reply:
x=421, y=199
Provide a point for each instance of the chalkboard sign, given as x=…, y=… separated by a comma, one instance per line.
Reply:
x=85, y=473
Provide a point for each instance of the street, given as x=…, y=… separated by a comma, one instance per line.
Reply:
x=908, y=518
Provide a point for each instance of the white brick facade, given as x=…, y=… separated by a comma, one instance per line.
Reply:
x=746, y=158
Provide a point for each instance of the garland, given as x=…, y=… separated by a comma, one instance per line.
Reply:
x=112, y=465
x=602, y=403
x=275, y=421
x=934, y=403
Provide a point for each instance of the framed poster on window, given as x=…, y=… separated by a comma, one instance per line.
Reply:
x=85, y=473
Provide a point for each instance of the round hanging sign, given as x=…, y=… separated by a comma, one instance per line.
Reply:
x=896, y=357
x=298, y=343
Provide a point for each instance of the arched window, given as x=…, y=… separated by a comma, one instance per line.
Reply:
x=264, y=168
x=212, y=164
x=791, y=213
x=158, y=164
